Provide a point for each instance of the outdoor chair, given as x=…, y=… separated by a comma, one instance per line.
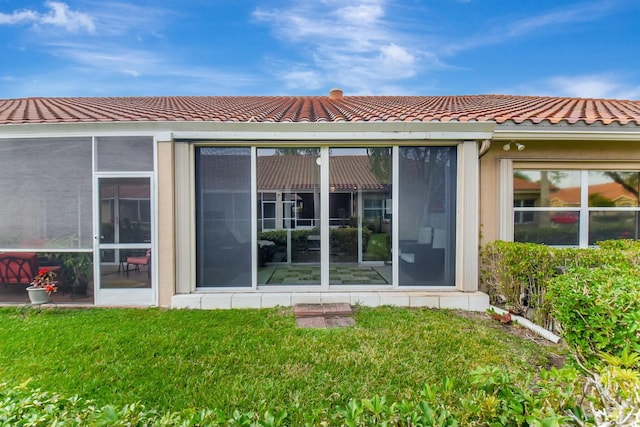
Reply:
x=137, y=261
x=18, y=268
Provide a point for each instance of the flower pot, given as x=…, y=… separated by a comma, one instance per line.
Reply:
x=38, y=295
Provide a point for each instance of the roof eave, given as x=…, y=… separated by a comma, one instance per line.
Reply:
x=263, y=131
x=566, y=132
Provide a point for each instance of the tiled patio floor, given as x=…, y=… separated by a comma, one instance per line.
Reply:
x=323, y=315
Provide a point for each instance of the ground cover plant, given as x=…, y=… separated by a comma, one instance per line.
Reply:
x=257, y=361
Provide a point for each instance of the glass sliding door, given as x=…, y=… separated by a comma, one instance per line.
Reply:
x=288, y=195
x=325, y=217
x=223, y=217
x=426, y=216
x=359, y=221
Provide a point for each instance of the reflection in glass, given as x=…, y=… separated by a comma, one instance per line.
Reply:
x=427, y=194
x=610, y=225
x=288, y=186
x=613, y=189
x=553, y=188
x=125, y=217
x=116, y=276
x=125, y=210
x=611, y=198
x=360, y=215
x=546, y=188
x=550, y=227
x=223, y=216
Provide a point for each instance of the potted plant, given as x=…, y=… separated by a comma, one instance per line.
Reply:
x=76, y=269
x=42, y=286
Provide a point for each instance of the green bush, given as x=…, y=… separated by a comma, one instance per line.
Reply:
x=345, y=240
x=532, y=233
x=512, y=272
x=342, y=240
x=598, y=308
x=279, y=237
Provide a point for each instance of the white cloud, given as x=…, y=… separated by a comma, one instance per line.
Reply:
x=59, y=15
x=301, y=79
x=18, y=17
x=603, y=86
x=107, y=57
x=356, y=46
x=397, y=60
x=593, y=86
x=504, y=29
x=117, y=18
x=362, y=13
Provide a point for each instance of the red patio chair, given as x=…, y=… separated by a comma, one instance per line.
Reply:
x=137, y=261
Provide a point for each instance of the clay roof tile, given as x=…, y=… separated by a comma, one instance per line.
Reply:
x=474, y=108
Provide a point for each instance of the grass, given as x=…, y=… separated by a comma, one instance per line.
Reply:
x=378, y=247
x=176, y=359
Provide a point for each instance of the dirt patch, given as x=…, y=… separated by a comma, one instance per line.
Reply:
x=556, y=358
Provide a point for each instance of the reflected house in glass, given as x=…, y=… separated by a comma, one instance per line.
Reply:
x=550, y=208
x=264, y=201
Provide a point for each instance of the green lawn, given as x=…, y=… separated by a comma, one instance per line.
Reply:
x=175, y=359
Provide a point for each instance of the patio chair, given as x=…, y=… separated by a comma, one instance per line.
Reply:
x=137, y=261
x=18, y=268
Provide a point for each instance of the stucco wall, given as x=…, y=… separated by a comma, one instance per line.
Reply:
x=166, y=229
x=555, y=154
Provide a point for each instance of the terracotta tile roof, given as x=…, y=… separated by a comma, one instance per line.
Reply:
x=610, y=191
x=521, y=184
x=283, y=172
x=482, y=108
x=296, y=173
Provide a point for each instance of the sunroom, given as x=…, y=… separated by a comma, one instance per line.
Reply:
x=82, y=206
x=372, y=219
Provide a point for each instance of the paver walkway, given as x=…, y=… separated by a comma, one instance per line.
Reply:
x=323, y=315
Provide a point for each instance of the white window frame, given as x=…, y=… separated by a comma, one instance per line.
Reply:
x=507, y=210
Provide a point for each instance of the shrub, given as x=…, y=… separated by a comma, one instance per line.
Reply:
x=598, y=308
x=518, y=274
x=502, y=400
x=345, y=240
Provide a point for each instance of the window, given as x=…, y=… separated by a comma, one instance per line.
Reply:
x=575, y=207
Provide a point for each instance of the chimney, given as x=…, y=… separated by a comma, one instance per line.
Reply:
x=335, y=93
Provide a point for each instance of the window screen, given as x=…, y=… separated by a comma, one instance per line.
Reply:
x=426, y=231
x=223, y=218
x=125, y=153
x=45, y=196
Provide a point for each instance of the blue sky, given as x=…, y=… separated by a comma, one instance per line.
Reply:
x=365, y=47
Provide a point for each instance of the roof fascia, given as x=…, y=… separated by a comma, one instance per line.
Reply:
x=263, y=131
x=544, y=132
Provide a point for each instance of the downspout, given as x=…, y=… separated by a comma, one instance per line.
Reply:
x=485, y=145
x=544, y=333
